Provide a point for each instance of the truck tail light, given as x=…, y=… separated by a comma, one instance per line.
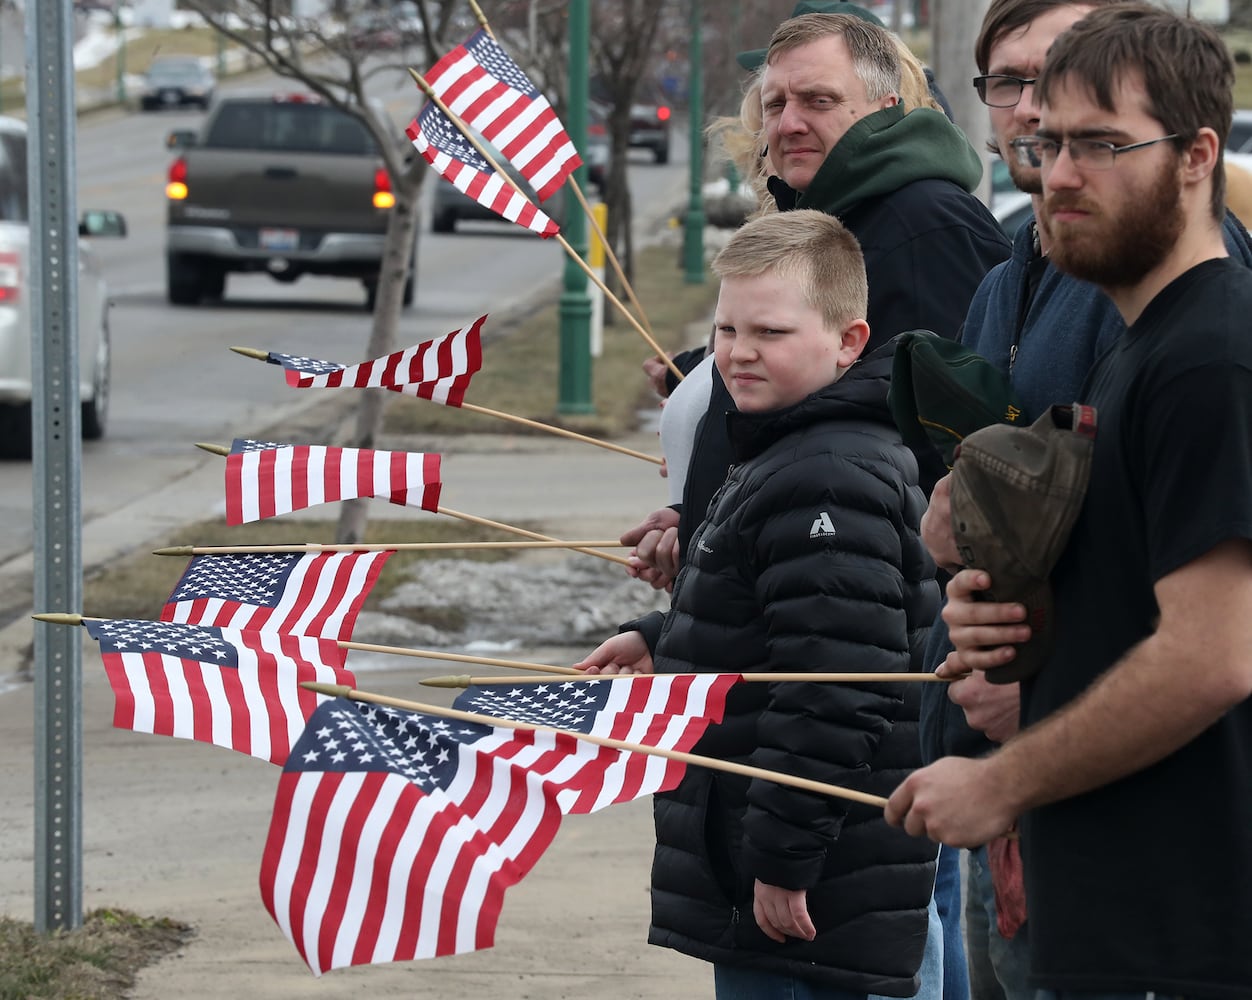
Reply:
x=176, y=185
x=383, y=198
x=10, y=277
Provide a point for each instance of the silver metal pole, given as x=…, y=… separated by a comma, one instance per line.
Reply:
x=56, y=418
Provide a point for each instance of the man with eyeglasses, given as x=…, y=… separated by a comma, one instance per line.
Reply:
x=1131, y=770
x=1042, y=328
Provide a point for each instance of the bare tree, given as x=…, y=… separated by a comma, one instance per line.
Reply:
x=337, y=64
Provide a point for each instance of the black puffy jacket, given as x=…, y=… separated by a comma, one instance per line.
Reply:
x=810, y=560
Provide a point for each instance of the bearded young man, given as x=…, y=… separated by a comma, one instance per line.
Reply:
x=1130, y=773
x=1043, y=329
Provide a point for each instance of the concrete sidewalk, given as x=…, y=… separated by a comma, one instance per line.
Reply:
x=176, y=828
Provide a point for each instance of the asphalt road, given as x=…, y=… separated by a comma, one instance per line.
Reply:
x=174, y=380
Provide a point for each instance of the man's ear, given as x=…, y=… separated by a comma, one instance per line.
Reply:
x=852, y=340
x=1201, y=156
x=890, y=101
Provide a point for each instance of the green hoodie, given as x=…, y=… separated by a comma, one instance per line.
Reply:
x=887, y=150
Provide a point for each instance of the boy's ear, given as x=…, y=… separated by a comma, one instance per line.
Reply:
x=852, y=341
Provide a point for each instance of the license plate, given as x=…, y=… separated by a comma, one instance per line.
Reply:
x=280, y=239
x=171, y=96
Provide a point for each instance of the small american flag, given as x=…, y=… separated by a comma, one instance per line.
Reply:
x=395, y=834
x=438, y=369
x=235, y=689
x=316, y=593
x=483, y=87
x=265, y=482
x=454, y=157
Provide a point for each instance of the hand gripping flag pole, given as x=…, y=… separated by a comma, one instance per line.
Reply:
x=731, y=767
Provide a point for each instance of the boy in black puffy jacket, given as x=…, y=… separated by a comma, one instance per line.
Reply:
x=809, y=559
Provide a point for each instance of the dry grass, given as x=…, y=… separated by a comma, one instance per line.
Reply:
x=98, y=961
x=521, y=362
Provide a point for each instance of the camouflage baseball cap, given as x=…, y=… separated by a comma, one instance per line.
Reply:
x=1016, y=492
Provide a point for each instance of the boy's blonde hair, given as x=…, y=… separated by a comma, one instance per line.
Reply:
x=812, y=249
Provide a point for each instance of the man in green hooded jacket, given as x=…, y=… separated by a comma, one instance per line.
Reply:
x=839, y=140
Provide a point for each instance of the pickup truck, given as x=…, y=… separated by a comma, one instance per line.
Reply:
x=280, y=183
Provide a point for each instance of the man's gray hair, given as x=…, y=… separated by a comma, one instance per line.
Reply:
x=875, y=59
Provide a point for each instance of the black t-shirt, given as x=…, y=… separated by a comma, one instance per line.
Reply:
x=1146, y=883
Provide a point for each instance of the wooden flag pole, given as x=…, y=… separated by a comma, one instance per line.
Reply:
x=552, y=429
x=582, y=201
x=573, y=254
x=465, y=680
x=260, y=355
x=430, y=654
x=217, y=449
x=236, y=550
x=731, y=767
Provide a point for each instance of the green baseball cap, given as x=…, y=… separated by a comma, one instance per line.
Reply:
x=940, y=392
x=754, y=58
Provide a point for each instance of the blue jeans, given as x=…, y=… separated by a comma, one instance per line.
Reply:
x=733, y=983
x=998, y=965
x=948, y=901
x=1083, y=995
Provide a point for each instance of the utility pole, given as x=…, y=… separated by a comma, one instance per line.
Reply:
x=575, y=307
x=954, y=25
x=693, y=222
x=119, y=56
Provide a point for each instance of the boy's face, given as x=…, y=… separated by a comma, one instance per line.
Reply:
x=772, y=348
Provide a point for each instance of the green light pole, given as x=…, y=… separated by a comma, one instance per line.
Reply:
x=574, y=378
x=120, y=58
x=693, y=224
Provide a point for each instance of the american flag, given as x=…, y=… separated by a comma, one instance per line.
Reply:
x=438, y=369
x=235, y=689
x=265, y=482
x=454, y=157
x=483, y=87
x=315, y=593
x=395, y=834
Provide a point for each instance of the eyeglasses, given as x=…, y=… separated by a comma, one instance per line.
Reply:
x=998, y=91
x=1094, y=154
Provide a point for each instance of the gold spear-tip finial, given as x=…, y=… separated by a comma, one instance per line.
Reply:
x=252, y=352
x=58, y=618
x=334, y=690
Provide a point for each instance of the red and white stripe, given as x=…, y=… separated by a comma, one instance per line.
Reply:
x=322, y=596
x=439, y=369
x=489, y=189
x=523, y=127
x=257, y=708
x=363, y=868
x=273, y=481
x=669, y=711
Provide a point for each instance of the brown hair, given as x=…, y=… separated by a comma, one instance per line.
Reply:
x=812, y=249
x=1187, y=72
x=1005, y=16
x=875, y=59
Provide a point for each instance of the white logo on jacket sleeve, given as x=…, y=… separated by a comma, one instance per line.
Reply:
x=823, y=526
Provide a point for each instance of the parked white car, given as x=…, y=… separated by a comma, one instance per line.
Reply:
x=15, y=304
